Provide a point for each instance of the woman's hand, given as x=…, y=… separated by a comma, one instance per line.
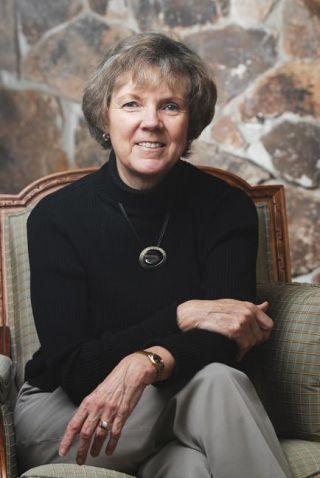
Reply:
x=245, y=323
x=112, y=401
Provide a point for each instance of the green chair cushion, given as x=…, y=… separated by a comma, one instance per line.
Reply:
x=72, y=471
x=303, y=457
x=286, y=369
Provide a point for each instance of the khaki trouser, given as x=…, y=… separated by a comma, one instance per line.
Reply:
x=215, y=426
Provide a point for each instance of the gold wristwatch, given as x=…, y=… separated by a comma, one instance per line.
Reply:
x=155, y=359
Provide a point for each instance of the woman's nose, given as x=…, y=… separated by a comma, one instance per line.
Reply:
x=150, y=118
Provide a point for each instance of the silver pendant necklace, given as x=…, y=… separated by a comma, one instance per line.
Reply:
x=150, y=257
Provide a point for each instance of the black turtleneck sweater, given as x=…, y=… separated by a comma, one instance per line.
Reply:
x=92, y=301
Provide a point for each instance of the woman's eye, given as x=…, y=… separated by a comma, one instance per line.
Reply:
x=171, y=107
x=130, y=105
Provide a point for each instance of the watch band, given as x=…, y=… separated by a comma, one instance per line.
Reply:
x=155, y=359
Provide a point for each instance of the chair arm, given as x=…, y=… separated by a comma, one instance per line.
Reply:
x=5, y=377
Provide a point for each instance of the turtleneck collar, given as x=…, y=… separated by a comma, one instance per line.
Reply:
x=110, y=187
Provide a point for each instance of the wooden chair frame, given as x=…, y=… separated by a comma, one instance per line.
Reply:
x=273, y=195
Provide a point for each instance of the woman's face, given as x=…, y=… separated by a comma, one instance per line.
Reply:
x=148, y=128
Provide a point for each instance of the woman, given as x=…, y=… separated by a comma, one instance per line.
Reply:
x=143, y=288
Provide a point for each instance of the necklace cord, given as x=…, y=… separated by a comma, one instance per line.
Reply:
x=163, y=229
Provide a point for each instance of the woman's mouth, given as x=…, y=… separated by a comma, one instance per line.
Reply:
x=151, y=144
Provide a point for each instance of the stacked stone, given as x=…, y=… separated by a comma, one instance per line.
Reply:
x=264, y=55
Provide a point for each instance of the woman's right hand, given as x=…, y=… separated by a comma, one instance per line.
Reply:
x=245, y=323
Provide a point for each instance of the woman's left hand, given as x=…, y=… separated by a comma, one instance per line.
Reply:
x=112, y=401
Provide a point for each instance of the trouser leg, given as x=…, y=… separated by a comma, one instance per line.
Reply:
x=219, y=414
x=175, y=460
x=41, y=419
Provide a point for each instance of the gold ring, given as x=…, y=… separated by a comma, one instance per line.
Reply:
x=104, y=424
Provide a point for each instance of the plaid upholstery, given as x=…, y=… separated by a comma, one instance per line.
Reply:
x=287, y=374
x=72, y=471
x=24, y=337
x=303, y=457
x=7, y=420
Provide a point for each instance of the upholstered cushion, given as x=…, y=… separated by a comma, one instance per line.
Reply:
x=6, y=376
x=303, y=457
x=16, y=263
x=286, y=369
x=9, y=438
x=72, y=471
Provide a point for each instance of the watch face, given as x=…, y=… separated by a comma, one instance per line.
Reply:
x=157, y=359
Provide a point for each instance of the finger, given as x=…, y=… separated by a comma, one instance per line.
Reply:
x=83, y=448
x=99, y=439
x=73, y=428
x=257, y=333
x=264, y=321
x=85, y=438
x=263, y=306
x=112, y=444
x=114, y=435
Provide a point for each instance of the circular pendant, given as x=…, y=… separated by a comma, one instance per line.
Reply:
x=152, y=257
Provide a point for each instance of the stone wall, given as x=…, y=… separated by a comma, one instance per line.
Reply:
x=265, y=57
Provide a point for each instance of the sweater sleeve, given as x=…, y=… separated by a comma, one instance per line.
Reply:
x=228, y=261
x=61, y=302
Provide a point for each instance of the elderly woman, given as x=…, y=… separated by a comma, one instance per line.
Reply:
x=143, y=289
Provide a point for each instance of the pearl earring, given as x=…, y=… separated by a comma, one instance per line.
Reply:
x=106, y=136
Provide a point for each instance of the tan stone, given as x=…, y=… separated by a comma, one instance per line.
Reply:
x=208, y=154
x=8, y=56
x=301, y=28
x=66, y=59
x=223, y=7
x=225, y=131
x=316, y=278
x=30, y=138
x=252, y=10
x=304, y=229
x=177, y=13
x=295, y=152
x=236, y=55
x=39, y=16
x=99, y=6
x=294, y=87
x=88, y=152
x=314, y=6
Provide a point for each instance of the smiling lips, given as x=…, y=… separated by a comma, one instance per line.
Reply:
x=151, y=144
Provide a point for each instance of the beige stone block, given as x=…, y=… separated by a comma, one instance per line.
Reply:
x=30, y=126
x=177, y=13
x=225, y=131
x=8, y=52
x=208, y=154
x=295, y=152
x=236, y=55
x=294, y=87
x=301, y=28
x=254, y=11
x=66, y=59
x=38, y=16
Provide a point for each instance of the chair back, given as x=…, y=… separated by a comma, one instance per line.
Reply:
x=16, y=317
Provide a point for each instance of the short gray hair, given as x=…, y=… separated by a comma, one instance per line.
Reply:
x=135, y=55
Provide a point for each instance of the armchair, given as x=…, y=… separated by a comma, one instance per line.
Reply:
x=286, y=370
